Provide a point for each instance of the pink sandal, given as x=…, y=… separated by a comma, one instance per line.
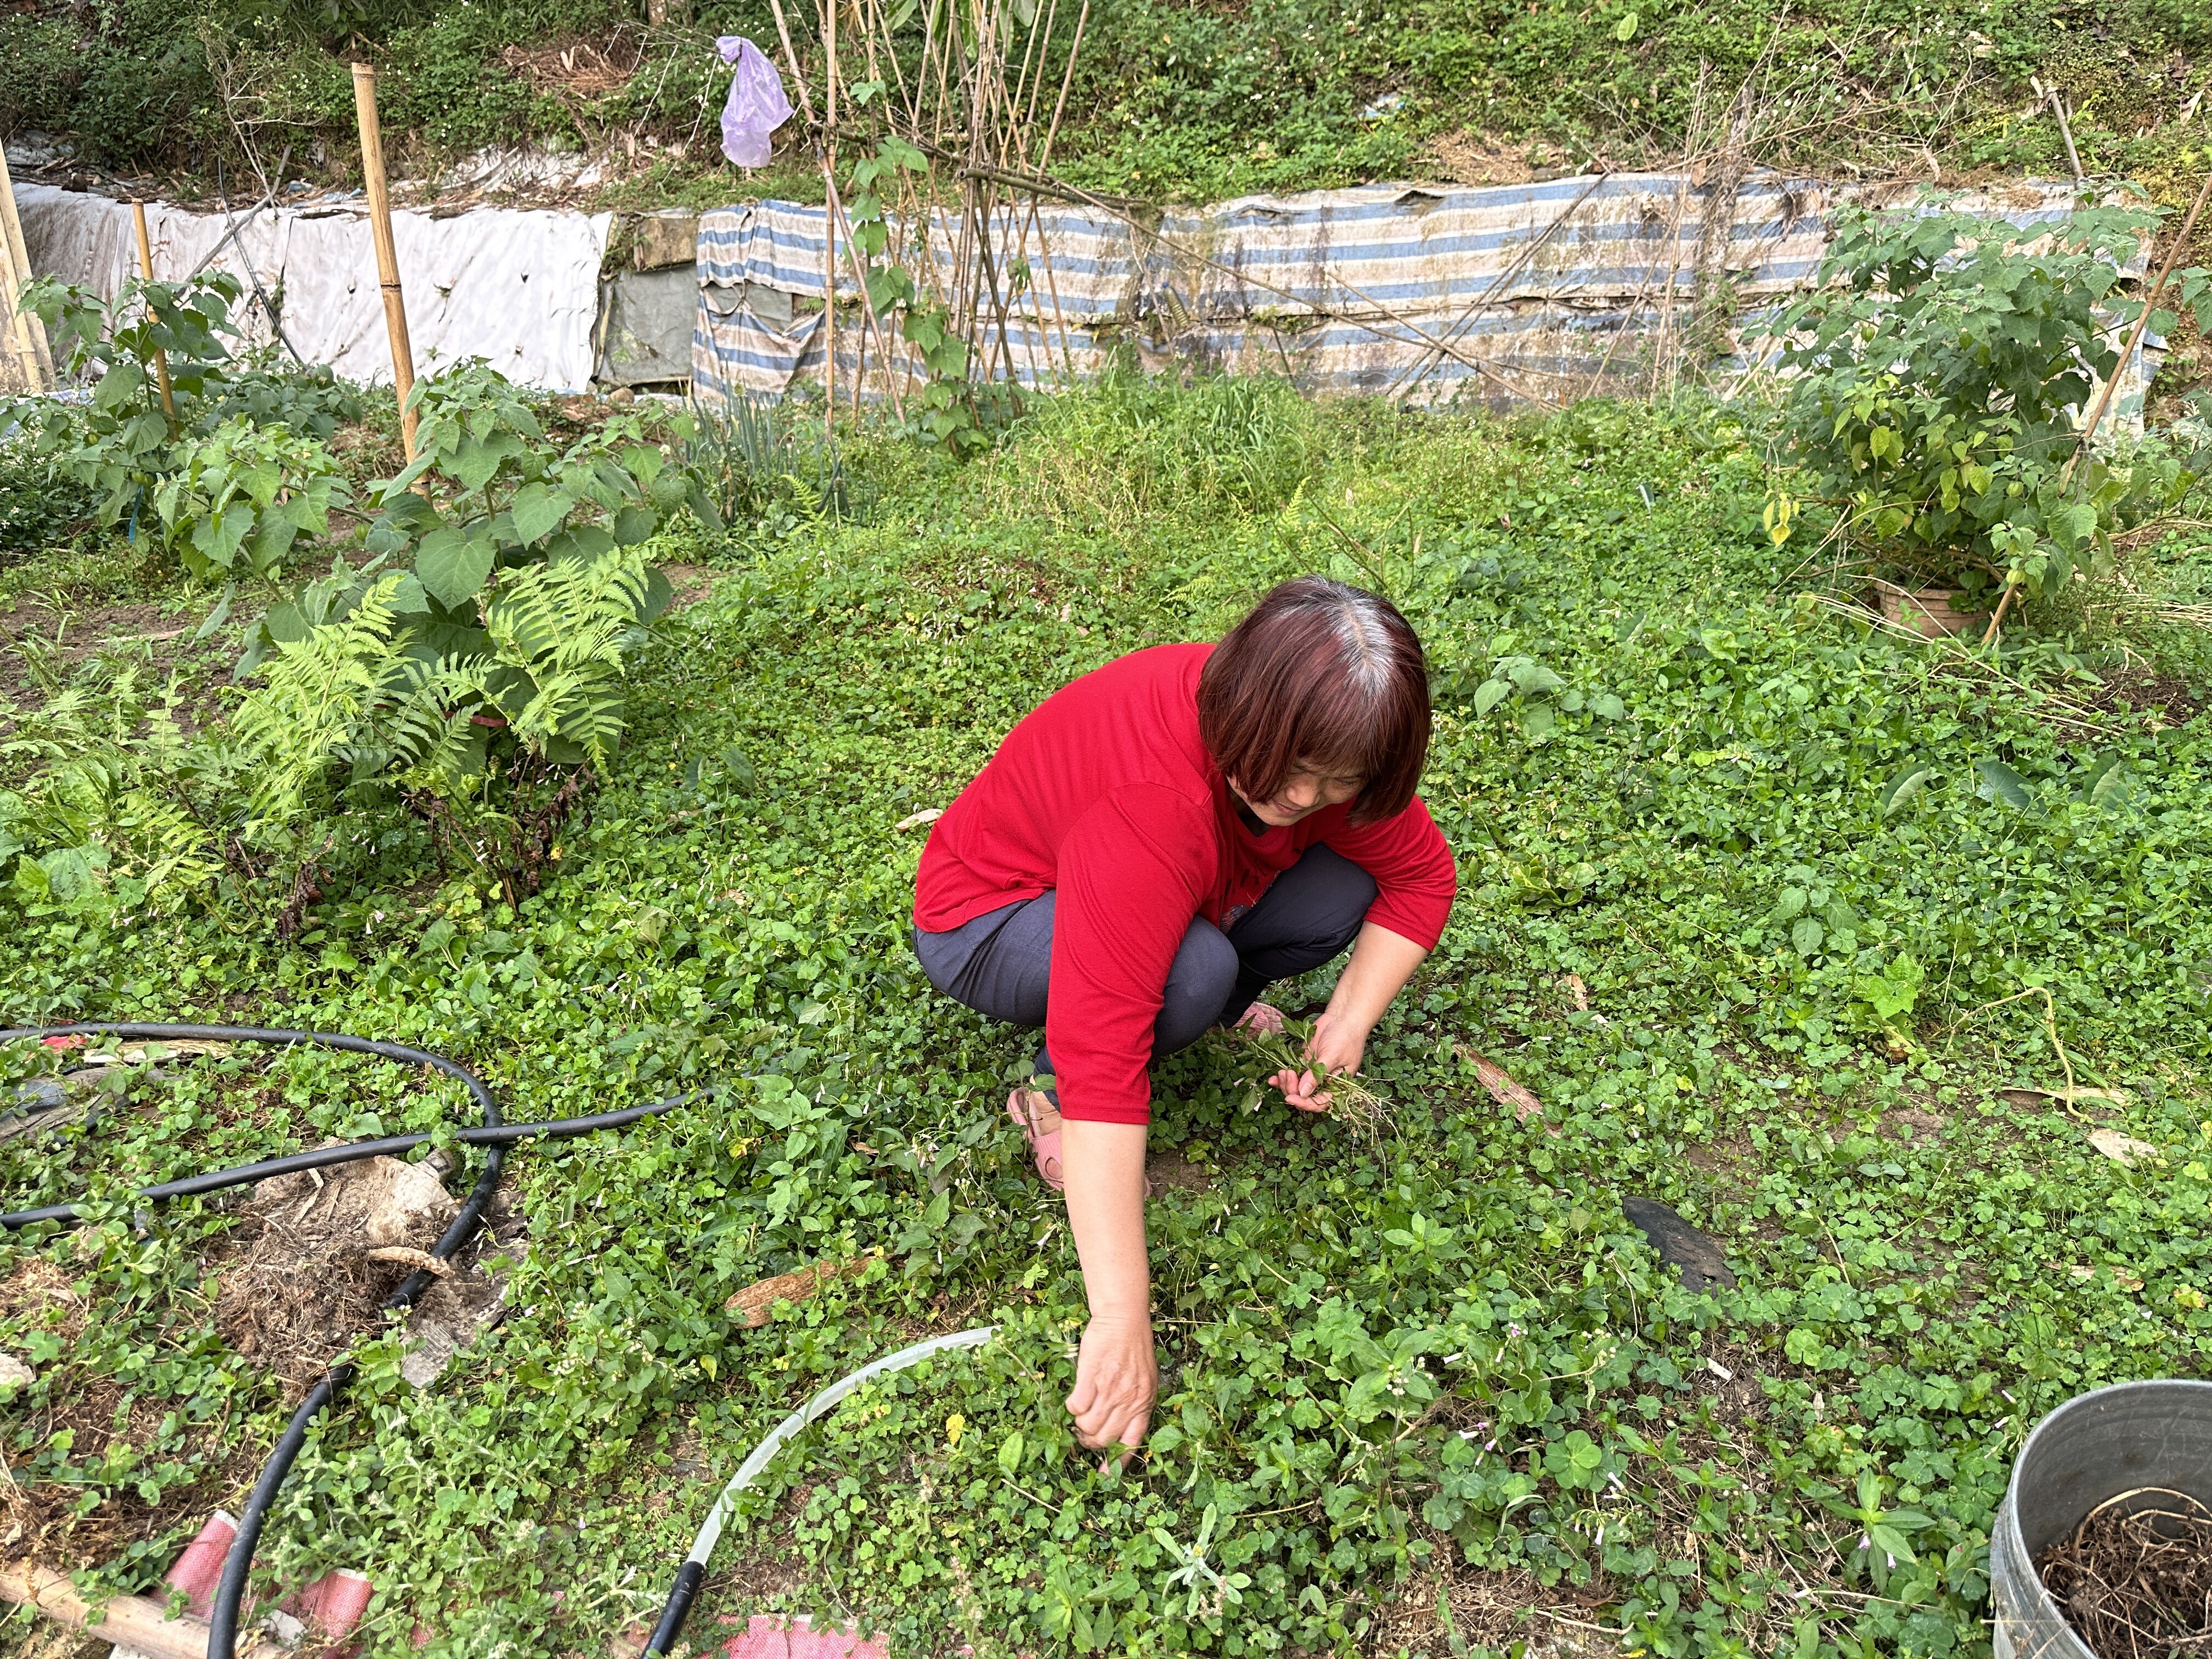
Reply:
x=1044, y=1145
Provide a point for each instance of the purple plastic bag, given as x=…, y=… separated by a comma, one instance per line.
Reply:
x=756, y=107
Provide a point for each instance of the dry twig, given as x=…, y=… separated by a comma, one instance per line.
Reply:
x=2136, y=1583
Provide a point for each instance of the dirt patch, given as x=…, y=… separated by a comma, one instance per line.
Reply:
x=2135, y=690
x=1721, y=1156
x=1486, y=1608
x=302, y=1287
x=692, y=583
x=1910, y=1123
x=40, y=639
x=1471, y=158
x=1169, y=1170
x=37, y=1287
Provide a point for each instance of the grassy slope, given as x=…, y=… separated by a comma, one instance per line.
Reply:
x=1370, y=1350
x=1174, y=100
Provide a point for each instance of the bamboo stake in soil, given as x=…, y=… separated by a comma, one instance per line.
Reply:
x=146, y=270
x=828, y=220
x=830, y=232
x=21, y=334
x=387, y=252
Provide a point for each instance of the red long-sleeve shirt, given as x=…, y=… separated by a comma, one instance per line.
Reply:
x=1106, y=792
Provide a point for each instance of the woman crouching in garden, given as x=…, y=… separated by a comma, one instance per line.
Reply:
x=1148, y=849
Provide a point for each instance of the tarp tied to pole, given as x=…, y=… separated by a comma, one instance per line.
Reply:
x=516, y=286
x=1433, y=293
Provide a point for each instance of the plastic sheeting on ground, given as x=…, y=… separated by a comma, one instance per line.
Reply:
x=518, y=288
x=1432, y=294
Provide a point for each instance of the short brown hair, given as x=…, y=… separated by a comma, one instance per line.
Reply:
x=1324, y=677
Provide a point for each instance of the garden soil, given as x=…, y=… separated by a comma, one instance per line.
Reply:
x=303, y=1288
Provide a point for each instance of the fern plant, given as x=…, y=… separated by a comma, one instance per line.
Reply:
x=561, y=633
x=350, y=697
x=105, y=801
x=362, y=699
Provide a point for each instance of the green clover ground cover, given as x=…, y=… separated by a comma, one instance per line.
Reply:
x=1409, y=1388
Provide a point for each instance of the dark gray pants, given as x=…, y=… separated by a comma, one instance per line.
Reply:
x=1000, y=963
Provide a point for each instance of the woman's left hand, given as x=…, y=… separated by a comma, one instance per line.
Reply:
x=1337, y=1045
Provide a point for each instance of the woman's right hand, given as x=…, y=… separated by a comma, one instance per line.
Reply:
x=1117, y=1377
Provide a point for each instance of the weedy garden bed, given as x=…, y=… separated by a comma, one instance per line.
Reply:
x=1425, y=1389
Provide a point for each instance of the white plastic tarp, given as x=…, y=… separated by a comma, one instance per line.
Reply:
x=516, y=287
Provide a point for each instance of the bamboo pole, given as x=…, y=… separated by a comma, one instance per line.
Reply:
x=146, y=270
x=24, y=334
x=830, y=229
x=387, y=253
x=132, y=1621
x=874, y=324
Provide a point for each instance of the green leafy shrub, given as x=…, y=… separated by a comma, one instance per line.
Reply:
x=309, y=398
x=225, y=471
x=495, y=493
x=40, y=503
x=483, y=646
x=118, y=445
x=237, y=499
x=1940, y=373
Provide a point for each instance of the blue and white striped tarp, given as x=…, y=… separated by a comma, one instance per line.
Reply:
x=1434, y=293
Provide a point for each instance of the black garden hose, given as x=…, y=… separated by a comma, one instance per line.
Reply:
x=229, y=1596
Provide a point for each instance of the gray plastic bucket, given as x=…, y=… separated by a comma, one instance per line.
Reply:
x=2094, y=1447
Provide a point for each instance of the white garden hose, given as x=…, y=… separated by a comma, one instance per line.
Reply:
x=693, y=1572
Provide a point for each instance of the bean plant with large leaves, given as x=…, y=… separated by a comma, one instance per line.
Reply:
x=238, y=498
x=230, y=457
x=118, y=445
x=1940, y=372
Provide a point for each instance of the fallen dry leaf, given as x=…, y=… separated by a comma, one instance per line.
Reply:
x=916, y=820
x=1578, y=990
x=1504, y=1090
x=2027, y=1095
x=2123, y=1150
x=756, y=1303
